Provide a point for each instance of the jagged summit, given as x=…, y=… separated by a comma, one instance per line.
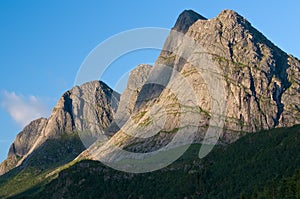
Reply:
x=231, y=18
x=186, y=19
x=230, y=14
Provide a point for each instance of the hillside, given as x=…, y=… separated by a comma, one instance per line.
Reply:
x=260, y=165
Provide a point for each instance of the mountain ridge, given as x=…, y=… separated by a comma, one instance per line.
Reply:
x=261, y=89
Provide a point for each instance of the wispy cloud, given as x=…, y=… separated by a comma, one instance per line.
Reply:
x=24, y=109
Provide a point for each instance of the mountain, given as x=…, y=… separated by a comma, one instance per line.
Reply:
x=216, y=81
x=212, y=69
x=258, y=75
x=86, y=108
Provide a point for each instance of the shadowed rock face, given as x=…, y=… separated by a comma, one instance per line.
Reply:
x=128, y=99
x=186, y=19
x=84, y=111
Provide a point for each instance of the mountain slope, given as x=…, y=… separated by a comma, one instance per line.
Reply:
x=221, y=64
x=248, y=168
x=36, y=168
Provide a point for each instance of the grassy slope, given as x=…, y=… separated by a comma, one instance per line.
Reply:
x=256, y=166
x=52, y=154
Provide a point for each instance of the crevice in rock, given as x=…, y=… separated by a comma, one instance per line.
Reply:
x=252, y=88
x=68, y=106
x=280, y=72
x=297, y=107
x=13, y=148
x=277, y=95
x=230, y=46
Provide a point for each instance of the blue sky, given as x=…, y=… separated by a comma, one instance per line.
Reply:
x=43, y=43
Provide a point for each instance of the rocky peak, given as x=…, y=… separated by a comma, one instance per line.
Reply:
x=231, y=16
x=84, y=111
x=186, y=19
x=138, y=76
x=23, y=143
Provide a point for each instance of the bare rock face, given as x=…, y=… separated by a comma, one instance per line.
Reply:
x=84, y=111
x=136, y=80
x=23, y=143
x=290, y=98
x=87, y=109
x=258, y=75
x=260, y=85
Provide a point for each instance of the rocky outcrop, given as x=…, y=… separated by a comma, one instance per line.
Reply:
x=84, y=111
x=136, y=80
x=255, y=70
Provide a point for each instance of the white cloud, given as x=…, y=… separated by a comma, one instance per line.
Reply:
x=24, y=109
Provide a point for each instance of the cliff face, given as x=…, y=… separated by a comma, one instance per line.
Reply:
x=220, y=63
x=83, y=111
x=259, y=77
x=257, y=73
x=261, y=81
